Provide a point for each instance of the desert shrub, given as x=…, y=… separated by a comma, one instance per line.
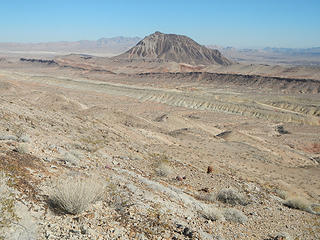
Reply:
x=161, y=165
x=22, y=148
x=24, y=138
x=211, y=213
x=298, y=203
x=281, y=193
x=163, y=170
x=208, y=197
x=231, y=196
x=70, y=158
x=6, y=137
x=74, y=194
x=234, y=215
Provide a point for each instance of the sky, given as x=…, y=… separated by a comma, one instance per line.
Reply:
x=236, y=23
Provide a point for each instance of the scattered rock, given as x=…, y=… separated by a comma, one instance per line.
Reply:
x=204, y=189
x=187, y=232
x=280, y=236
x=83, y=229
x=178, y=178
x=279, y=130
x=161, y=118
x=210, y=169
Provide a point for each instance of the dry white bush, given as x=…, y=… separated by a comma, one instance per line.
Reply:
x=231, y=196
x=208, y=197
x=69, y=158
x=212, y=213
x=6, y=137
x=281, y=193
x=163, y=170
x=298, y=203
x=24, y=138
x=234, y=215
x=74, y=194
x=23, y=148
x=161, y=164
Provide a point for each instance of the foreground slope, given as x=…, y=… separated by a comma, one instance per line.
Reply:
x=150, y=141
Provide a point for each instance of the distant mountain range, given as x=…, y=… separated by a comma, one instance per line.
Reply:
x=293, y=51
x=269, y=55
x=115, y=45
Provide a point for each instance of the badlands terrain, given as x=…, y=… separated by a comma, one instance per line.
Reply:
x=168, y=140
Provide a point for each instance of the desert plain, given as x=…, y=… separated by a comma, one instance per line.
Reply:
x=183, y=151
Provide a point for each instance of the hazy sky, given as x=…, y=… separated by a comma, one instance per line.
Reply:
x=239, y=23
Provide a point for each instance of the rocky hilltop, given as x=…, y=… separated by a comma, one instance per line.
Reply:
x=176, y=48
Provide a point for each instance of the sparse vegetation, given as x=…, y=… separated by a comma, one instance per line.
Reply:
x=208, y=197
x=234, y=215
x=7, y=137
x=281, y=193
x=161, y=165
x=22, y=148
x=163, y=170
x=299, y=203
x=7, y=204
x=70, y=158
x=212, y=213
x=117, y=199
x=74, y=194
x=156, y=222
x=24, y=138
x=92, y=144
x=231, y=196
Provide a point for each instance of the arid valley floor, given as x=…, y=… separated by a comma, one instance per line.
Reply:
x=166, y=141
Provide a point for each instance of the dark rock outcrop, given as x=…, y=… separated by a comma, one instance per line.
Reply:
x=33, y=60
